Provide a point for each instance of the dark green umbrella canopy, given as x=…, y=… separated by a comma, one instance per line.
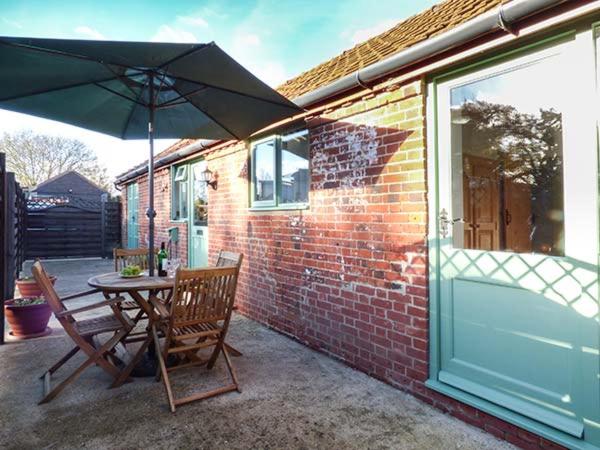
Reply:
x=134, y=90
x=104, y=86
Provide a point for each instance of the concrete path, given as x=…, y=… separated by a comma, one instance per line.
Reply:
x=292, y=397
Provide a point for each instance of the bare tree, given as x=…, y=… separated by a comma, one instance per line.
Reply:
x=34, y=158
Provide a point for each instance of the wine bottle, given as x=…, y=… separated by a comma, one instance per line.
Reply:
x=162, y=261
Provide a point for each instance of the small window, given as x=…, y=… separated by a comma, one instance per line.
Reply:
x=280, y=172
x=179, y=204
x=181, y=173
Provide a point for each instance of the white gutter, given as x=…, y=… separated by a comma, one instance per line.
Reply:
x=498, y=18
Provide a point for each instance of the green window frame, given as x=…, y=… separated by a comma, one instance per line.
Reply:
x=179, y=193
x=285, y=182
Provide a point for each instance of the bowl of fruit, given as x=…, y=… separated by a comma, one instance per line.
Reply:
x=131, y=271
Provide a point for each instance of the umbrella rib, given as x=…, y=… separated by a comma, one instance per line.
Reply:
x=186, y=53
x=232, y=91
x=174, y=100
x=213, y=119
x=131, y=114
x=119, y=94
x=121, y=77
x=58, y=88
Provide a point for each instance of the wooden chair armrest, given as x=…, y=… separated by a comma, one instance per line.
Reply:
x=110, y=302
x=79, y=294
x=160, y=307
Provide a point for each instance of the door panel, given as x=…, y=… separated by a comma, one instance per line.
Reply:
x=517, y=279
x=132, y=215
x=198, y=248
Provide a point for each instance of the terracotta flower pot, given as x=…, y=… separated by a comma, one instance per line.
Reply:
x=27, y=321
x=28, y=287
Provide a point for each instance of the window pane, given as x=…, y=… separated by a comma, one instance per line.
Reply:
x=294, y=168
x=180, y=196
x=264, y=171
x=507, y=158
x=200, y=195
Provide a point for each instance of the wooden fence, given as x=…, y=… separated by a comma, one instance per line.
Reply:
x=13, y=220
x=71, y=227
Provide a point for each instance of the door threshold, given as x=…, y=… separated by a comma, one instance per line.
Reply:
x=512, y=417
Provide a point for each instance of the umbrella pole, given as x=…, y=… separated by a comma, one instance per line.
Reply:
x=151, y=213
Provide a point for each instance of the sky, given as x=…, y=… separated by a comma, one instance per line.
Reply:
x=274, y=39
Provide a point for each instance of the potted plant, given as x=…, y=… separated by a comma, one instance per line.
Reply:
x=28, y=317
x=28, y=287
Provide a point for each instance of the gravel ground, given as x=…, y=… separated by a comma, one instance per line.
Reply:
x=292, y=397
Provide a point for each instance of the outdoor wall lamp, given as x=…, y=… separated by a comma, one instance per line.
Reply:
x=207, y=176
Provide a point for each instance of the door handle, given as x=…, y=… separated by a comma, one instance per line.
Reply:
x=445, y=221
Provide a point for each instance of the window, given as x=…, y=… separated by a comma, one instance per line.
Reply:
x=280, y=174
x=179, y=203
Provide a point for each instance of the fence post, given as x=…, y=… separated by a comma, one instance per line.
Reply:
x=4, y=267
x=103, y=203
x=11, y=233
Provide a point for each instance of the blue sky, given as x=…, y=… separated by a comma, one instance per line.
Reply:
x=276, y=40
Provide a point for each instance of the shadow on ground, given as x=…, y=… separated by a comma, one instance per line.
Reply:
x=292, y=397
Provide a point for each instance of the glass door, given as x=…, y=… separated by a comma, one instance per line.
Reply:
x=132, y=215
x=198, y=228
x=518, y=235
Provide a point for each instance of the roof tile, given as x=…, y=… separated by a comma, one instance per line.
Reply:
x=432, y=21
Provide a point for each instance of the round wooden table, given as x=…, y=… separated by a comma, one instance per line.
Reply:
x=112, y=284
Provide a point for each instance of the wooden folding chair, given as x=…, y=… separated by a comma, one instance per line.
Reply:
x=83, y=332
x=230, y=259
x=197, y=318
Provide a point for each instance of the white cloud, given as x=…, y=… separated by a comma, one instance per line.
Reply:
x=246, y=40
x=168, y=34
x=12, y=23
x=363, y=34
x=272, y=73
x=193, y=21
x=89, y=33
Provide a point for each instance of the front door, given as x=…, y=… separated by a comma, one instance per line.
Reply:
x=132, y=215
x=517, y=245
x=198, y=245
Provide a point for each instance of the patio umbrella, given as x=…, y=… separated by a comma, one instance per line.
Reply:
x=134, y=90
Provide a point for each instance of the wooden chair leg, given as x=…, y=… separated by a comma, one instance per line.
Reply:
x=232, y=351
x=231, y=369
x=95, y=357
x=49, y=394
x=163, y=370
x=61, y=361
x=214, y=356
x=124, y=375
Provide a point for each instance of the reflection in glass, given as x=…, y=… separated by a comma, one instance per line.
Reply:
x=264, y=171
x=294, y=168
x=507, y=158
x=180, y=195
x=199, y=195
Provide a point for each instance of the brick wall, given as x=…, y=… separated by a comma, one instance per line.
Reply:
x=162, y=205
x=348, y=276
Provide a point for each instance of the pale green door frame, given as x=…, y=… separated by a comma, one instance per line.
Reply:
x=514, y=332
x=198, y=221
x=132, y=215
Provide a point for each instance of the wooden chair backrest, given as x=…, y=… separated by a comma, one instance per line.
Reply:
x=131, y=256
x=203, y=295
x=225, y=259
x=43, y=281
